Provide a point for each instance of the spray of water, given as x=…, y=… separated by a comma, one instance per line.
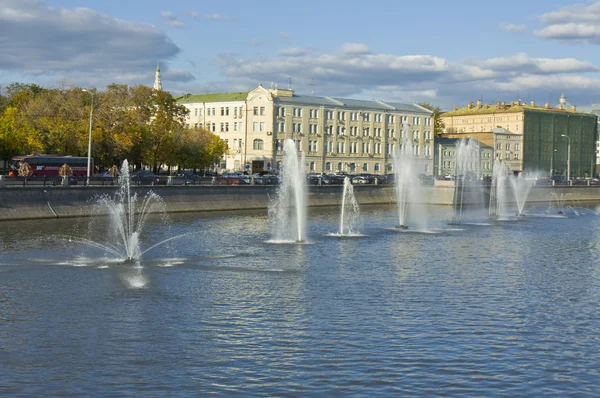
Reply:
x=288, y=211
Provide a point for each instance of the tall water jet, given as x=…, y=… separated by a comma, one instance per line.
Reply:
x=467, y=174
x=128, y=215
x=350, y=213
x=408, y=185
x=289, y=209
x=521, y=188
x=498, y=191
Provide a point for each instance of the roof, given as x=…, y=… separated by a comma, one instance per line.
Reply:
x=307, y=100
x=508, y=108
x=218, y=97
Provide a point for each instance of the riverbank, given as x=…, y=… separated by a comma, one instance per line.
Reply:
x=23, y=203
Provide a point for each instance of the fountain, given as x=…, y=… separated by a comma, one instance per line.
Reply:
x=350, y=219
x=289, y=209
x=127, y=215
x=521, y=188
x=467, y=178
x=408, y=185
x=498, y=191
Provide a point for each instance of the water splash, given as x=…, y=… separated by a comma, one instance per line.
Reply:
x=350, y=219
x=468, y=187
x=498, y=191
x=408, y=185
x=521, y=188
x=288, y=211
x=128, y=214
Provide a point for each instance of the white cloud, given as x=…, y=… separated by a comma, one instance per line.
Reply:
x=574, y=13
x=219, y=17
x=578, y=23
x=172, y=20
x=37, y=39
x=354, y=71
x=513, y=28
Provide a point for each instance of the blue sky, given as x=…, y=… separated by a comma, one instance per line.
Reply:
x=442, y=52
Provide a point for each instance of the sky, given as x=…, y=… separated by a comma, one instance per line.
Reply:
x=442, y=52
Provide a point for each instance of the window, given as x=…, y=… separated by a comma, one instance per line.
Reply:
x=390, y=167
x=195, y=111
x=366, y=132
x=329, y=130
x=378, y=117
x=498, y=146
x=312, y=146
x=329, y=146
x=328, y=166
x=314, y=114
x=296, y=127
x=255, y=126
x=377, y=146
x=262, y=110
x=226, y=126
x=255, y=112
x=312, y=166
x=390, y=133
x=508, y=147
x=235, y=126
x=281, y=127
x=341, y=147
x=222, y=127
x=214, y=127
x=339, y=166
x=376, y=168
x=341, y=115
x=517, y=147
x=365, y=167
x=282, y=111
x=200, y=112
x=516, y=156
x=341, y=130
x=297, y=112
x=258, y=145
x=262, y=126
x=366, y=117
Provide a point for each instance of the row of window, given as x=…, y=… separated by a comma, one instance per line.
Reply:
x=364, y=148
x=517, y=147
x=354, y=116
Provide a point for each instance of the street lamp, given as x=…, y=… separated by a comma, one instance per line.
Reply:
x=551, y=161
x=89, y=136
x=568, y=156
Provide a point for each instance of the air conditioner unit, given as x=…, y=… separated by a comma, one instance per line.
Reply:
x=269, y=133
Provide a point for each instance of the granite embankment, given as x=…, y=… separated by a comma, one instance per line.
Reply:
x=57, y=202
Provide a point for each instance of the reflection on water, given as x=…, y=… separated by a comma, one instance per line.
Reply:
x=505, y=309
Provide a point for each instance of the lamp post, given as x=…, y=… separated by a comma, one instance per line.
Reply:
x=89, y=158
x=568, y=156
x=551, y=161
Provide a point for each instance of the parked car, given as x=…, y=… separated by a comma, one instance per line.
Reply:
x=363, y=179
x=147, y=177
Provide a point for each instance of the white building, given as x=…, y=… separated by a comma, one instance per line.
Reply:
x=336, y=134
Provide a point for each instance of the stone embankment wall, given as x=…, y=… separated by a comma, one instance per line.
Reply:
x=58, y=202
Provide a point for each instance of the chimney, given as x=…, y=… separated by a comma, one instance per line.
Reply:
x=547, y=105
x=454, y=108
x=574, y=108
x=479, y=103
x=533, y=103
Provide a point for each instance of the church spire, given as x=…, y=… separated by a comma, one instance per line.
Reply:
x=157, y=83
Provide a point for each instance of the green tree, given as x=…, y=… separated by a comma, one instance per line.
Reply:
x=438, y=124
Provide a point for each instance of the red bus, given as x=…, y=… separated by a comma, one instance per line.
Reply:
x=49, y=165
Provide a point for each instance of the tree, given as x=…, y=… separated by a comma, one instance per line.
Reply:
x=438, y=124
x=166, y=121
x=198, y=149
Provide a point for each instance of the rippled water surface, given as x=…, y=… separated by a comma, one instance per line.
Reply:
x=505, y=309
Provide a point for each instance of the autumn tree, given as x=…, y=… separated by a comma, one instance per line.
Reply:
x=438, y=124
x=198, y=149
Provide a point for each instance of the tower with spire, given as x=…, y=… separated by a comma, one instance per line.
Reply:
x=157, y=83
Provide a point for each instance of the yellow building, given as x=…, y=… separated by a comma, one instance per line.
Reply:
x=541, y=139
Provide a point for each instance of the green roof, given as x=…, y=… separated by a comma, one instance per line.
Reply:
x=218, y=97
x=489, y=109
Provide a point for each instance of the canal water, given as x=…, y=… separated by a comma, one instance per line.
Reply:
x=505, y=308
